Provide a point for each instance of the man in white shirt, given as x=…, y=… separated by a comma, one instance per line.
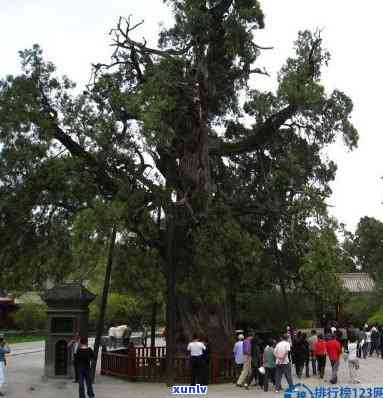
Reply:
x=283, y=366
x=196, y=349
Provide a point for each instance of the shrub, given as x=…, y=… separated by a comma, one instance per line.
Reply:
x=31, y=316
x=358, y=308
x=121, y=309
x=376, y=318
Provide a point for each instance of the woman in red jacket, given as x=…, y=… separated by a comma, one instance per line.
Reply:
x=320, y=350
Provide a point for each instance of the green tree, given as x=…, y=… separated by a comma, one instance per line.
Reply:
x=368, y=246
x=169, y=103
x=122, y=309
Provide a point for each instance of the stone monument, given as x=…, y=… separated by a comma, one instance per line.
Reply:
x=68, y=314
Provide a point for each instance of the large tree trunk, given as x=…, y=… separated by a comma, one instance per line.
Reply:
x=193, y=174
x=211, y=322
x=183, y=316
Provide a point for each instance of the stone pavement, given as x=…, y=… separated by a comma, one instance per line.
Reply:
x=24, y=380
x=27, y=348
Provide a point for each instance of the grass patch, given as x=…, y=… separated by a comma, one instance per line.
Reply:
x=23, y=338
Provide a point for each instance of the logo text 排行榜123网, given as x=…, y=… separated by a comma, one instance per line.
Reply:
x=302, y=391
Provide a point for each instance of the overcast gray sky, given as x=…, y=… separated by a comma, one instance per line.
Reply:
x=73, y=34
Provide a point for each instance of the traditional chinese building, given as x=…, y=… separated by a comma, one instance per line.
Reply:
x=356, y=283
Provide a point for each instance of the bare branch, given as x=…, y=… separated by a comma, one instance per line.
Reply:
x=128, y=43
x=257, y=137
x=122, y=40
x=259, y=71
x=262, y=47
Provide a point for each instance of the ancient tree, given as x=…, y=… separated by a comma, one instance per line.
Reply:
x=165, y=127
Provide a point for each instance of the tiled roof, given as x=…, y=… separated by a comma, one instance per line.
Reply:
x=68, y=293
x=357, y=282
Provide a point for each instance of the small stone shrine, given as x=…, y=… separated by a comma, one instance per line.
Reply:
x=67, y=315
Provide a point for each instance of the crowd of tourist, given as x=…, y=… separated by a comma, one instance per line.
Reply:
x=269, y=361
x=265, y=362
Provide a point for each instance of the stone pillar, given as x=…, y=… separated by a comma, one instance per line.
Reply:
x=68, y=314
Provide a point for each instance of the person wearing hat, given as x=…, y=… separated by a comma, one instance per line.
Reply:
x=238, y=355
x=246, y=370
x=4, y=349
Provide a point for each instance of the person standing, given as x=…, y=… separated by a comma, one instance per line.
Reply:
x=73, y=346
x=306, y=354
x=4, y=349
x=320, y=350
x=205, y=363
x=256, y=360
x=282, y=362
x=298, y=352
x=196, y=349
x=334, y=350
x=269, y=364
x=380, y=330
x=83, y=358
x=362, y=341
x=374, y=341
x=353, y=361
x=238, y=356
x=246, y=370
x=367, y=344
x=312, y=340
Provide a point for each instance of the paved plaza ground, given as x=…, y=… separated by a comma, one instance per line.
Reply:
x=25, y=369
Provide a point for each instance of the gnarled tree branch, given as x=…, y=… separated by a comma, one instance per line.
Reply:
x=258, y=137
